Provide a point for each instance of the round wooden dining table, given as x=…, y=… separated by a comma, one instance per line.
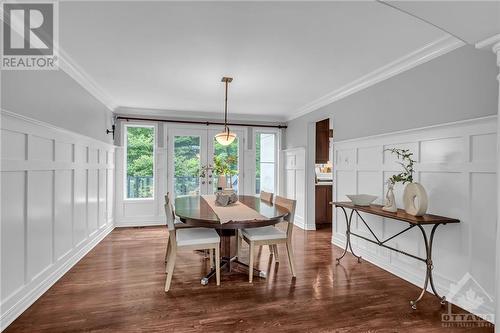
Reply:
x=195, y=211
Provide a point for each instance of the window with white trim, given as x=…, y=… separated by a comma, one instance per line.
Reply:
x=139, y=161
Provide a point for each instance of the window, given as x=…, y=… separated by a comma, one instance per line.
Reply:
x=140, y=143
x=265, y=169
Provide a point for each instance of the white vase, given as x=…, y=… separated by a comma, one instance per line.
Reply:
x=390, y=201
x=222, y=182
x=415, y=199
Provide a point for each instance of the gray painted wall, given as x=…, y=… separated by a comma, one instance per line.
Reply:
x=55, y=98
x=457, y=86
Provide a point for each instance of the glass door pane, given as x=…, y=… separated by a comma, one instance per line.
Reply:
x=265, y=168
x=227, y=158
x=187, y=163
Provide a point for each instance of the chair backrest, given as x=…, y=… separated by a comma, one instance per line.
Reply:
x=289, y=205
x=266, y=196
x=169, y=213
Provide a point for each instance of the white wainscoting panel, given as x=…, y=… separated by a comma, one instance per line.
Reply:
x=456, y=163
x=57, y=200
x=295, y=186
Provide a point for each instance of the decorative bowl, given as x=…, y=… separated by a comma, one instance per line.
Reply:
x=362, y=199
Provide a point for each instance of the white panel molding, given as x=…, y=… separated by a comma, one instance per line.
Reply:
x=424, y=54
x=294, y=167
x=459, y=176
x=47, y=221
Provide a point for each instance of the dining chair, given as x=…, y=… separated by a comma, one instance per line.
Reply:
x=178, y=225
x=189, y=238
x=272, y=235
x=266, y=196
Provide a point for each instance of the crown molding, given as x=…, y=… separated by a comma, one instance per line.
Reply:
x=71, y=67
x=426, y=53
x=493, y=41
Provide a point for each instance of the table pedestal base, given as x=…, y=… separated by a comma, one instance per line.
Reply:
x=229, y=261
x=229, y=265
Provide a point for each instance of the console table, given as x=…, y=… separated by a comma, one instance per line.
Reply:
x=402, y=217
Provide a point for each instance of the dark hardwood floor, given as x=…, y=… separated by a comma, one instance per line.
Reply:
x=118, y=287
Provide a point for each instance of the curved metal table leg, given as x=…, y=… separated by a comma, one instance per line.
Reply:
x=428, y=273
x=431, y=279
x=348, y=236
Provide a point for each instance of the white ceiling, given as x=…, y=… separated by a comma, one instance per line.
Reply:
x=282, y=55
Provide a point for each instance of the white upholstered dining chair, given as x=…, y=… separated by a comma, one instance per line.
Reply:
x=178, y=225
x=188, y=238
x=272, y=235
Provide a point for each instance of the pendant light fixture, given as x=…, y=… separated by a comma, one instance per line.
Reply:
x=226, y=137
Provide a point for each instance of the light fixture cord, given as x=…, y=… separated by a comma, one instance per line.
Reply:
x=226, y=129
x=225, y=107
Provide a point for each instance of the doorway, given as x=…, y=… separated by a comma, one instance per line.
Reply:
x=194, y=153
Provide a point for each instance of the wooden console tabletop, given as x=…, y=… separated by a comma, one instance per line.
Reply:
x=400, y=215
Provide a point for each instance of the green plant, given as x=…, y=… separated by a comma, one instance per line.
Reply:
x=223, y=165
x=407, y=162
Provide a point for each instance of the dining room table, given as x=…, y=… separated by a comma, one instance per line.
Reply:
x=248, y=212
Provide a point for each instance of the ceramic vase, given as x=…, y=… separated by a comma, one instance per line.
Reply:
x=415, y=199
x=221, y=182
x=390, y=201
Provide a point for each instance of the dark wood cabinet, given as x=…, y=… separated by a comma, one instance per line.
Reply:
x=322, y=141
x=323, y=206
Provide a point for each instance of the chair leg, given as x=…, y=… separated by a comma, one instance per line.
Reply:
x=170, y=267
x=276, y=254
x=211, y=255
x=291, y=261
x=250, y=263
x=271, y=250
x=166, y=251
x=238, y=244
x=217, y=264
x=167, y=255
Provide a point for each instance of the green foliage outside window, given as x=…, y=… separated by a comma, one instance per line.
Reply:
x=140, y=155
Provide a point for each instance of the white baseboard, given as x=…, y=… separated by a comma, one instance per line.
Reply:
x=299, y=222
x=414, y=277
x=9, y=315
x=138, y=223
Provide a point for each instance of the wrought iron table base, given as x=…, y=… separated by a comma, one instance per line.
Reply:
x=428, y=241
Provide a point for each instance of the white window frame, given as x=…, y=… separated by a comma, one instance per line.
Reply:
x=277, y=143
x=125, y=155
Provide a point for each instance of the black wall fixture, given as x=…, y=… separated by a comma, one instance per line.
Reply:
x=112, y=131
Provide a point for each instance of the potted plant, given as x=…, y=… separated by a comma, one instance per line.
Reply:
x=415, y=198
x=224, y=168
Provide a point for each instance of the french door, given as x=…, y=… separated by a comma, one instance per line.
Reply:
x=191, y=156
